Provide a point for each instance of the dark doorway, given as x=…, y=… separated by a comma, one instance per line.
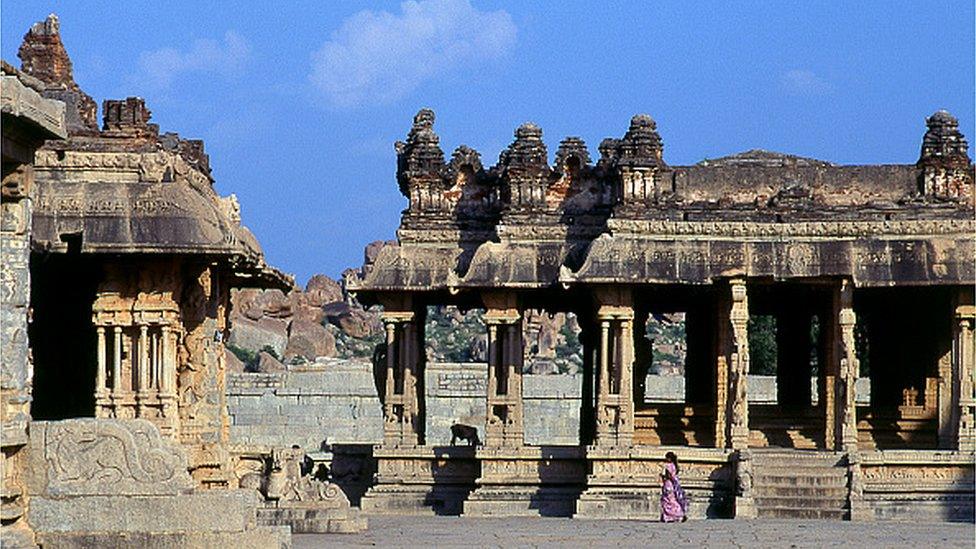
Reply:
x=62, y=335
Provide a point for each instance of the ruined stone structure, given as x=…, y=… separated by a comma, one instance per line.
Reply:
x=864, y=268
x=118, y=260
x=28, y=120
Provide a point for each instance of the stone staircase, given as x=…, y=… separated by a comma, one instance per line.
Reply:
x=800, y=484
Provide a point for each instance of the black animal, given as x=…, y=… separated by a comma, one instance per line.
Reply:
x=464, y=432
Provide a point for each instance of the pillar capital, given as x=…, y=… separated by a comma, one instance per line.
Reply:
x=397, y=317
x=615, y=312
x=502, y=316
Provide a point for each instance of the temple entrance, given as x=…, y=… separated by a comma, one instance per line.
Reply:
x=905, y=348
x=62, y=335
x=674, y=374
x=787, y=346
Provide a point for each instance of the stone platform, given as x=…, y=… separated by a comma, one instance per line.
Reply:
x=393, y=531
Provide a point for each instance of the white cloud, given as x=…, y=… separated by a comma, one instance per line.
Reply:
x=806, y=82
x=378, y=57
x=205, y=55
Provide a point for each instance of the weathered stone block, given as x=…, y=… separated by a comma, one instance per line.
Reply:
x=90, y=456
x=195, y=512
x=264, y=537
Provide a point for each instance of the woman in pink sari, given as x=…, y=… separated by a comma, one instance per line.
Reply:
x=674, y=503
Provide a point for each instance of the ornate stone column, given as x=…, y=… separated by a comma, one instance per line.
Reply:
x=829, y=366
x=404, y=421
x=142, y=369
x=733, y=366
x=101, y=372
x=505, y=416
x=117, y=362
x=738, y=363
x=167, y=378
x=848, y=367
x=615, y=397
x=964, y=370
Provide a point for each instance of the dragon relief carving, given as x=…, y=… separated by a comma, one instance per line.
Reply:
x=100, y=456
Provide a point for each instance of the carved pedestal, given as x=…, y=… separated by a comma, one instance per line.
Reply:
x=420, y=480
x=916, y=485
x=626, y=483
x=527, y=481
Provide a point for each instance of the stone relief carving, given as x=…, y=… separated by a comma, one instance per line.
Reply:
x=102, y=456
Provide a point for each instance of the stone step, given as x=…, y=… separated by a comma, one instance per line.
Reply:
x=826, y=472
x=774, y=490
x=801, y=513
x=800, y=502
x=791, y=481
x=830, y=461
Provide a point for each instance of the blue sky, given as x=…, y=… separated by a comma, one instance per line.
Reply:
x=300, y=103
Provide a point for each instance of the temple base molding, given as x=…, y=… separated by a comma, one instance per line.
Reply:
x=421, y=480
x=527, y=481
x=625, y=482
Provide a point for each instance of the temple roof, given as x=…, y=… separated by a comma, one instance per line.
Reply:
x=123, y=188
x=634, y=218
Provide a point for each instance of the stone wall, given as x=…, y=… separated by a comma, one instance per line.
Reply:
x=762, y=389
x=337, y=401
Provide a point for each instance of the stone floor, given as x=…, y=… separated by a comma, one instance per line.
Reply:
x=440, y=532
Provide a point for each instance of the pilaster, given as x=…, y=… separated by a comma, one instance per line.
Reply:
x=845, y=410
x=738, y=362
x=964, y=370
x=614, y=395
x=402, y=404
x=505, y=421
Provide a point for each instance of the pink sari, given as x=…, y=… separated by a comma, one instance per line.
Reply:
x=674, y=503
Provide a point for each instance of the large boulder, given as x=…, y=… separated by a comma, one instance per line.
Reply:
x=309, y=340
x=255, y=335
x=353, y=321
x=321, y=290
x=275, y=304
x=246, y=302
x=302, y=309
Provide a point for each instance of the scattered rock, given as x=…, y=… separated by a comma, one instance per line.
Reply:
x=479, y=348
x=232, y=363
x=268, y=364
x=373, y=250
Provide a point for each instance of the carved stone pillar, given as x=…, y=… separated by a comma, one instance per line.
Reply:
x=100, y=373
x=615, y=398
x=142, y=368
x=829, y=369
x=723, y=330
x=505, y=425
x=848, y=367
x=116, y=361
x=964, y=369
x=736, y=353
x=403, y=410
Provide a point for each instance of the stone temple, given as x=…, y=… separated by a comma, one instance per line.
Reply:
x=119, y=260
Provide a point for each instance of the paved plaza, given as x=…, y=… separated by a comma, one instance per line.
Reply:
x=554, y=532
